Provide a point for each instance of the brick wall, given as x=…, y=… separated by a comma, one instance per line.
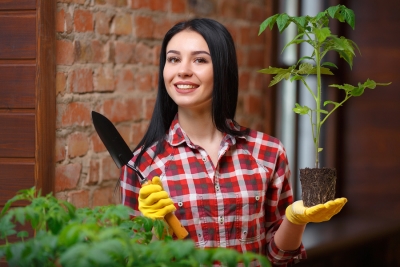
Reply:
x=107, y=61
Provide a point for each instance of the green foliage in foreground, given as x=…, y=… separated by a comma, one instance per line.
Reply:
x=315, y=31
x=104, y=236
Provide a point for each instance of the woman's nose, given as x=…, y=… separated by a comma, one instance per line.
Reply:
x=185, y=71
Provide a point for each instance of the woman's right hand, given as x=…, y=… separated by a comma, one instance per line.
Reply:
x=154, y=201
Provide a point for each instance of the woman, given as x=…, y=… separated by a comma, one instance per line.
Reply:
x=228, y=185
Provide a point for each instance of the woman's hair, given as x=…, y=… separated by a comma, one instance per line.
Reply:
x=225, y=91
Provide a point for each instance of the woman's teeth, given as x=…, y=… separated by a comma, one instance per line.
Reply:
x=185, y=86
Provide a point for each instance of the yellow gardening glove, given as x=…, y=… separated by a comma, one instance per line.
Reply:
x=154, y=202
x=298, y=214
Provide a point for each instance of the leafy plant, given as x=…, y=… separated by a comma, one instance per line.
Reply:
x=104, y=236
x=315, y=31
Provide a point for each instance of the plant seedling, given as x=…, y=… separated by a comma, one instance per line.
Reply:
x=316, y=32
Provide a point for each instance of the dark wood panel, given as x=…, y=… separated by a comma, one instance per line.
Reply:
x=17, y=86
x=17, y=135
x=15, y=176
x=369, y=126
x=45, y=96
x=17, y=35
x=17, y=4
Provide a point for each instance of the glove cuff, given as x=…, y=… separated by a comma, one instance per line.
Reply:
x=292, y=217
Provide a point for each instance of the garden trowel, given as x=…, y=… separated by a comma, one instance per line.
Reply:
x=121, y=154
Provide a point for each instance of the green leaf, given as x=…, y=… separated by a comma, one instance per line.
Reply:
x=295, y=41
x=304, y=58
x=346, y=87
x=322, y=34
x=269, y=22
x=322, y=111
x=282, y=21
x=349, y=17
x=331, y=102
x=22, y=234
x=323, y=70
x=320, y=149
x=320, y=15
x=330, y=64
x=296, y=78
x=332, y=10
x=302, y=110
x=301, y=22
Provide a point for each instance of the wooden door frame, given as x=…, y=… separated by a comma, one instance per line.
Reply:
x=45, y=95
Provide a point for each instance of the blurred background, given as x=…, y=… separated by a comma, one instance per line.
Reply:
x=59, y=60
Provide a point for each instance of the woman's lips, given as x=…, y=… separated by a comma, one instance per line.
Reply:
x=185, y=88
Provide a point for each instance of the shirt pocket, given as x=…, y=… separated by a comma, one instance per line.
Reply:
x=251, y=216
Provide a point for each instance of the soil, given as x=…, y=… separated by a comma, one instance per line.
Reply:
x=318, y=185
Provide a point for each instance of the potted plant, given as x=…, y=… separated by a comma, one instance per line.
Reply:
x=103, y=236
x=318, y=184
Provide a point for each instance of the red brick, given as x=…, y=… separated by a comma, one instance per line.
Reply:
x=102, y=23
x=94, y=172
x=244, y=36
x=83, y=21
x=104, y=79
x=79, y=199
x=83, y=51
x=118, y=110
x=155, y=5
x=144, y=27
x=98, y=53
x=144, y=54
x=60, y=21
x=81, y=81
x=137, y=132
x=67, y=176
x=256, y=58
x=256, y=13
x=117, y=3
x=75, y=113
x=161, y=27
x=143, y=80
x=97, y=144
x=156, y=55
x=124, y=81
x=123, y=52
x=254, y=105
x=64, y=52
x=241, y=56
x=122, y=24
x=244, y=80
x=109, y=170
x=78, y=144
x=106, y=196
x=149, y=108
x=60, y=150
x=178, y=6
x=61, y=81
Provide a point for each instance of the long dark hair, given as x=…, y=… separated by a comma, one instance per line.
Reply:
x=226, y=82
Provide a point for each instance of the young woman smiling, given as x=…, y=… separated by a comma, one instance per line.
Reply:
x=227, y=184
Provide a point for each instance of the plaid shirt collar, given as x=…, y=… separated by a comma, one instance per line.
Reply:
x=176, y=135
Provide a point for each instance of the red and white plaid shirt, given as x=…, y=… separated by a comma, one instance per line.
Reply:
x=237, y=204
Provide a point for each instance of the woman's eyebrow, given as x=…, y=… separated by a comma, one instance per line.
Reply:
x=193, y=53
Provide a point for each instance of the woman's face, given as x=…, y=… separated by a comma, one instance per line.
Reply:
x=188, y=71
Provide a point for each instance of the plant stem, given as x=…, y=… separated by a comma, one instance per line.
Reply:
x=318, y=106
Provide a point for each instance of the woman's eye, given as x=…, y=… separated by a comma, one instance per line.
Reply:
x=200, y=60
x=172, y=59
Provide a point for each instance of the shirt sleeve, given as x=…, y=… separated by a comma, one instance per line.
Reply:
x=279, y=195
x=130, y=187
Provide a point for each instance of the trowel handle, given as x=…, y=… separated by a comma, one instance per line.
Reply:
x=173, y=221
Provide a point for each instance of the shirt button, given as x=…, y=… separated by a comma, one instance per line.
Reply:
x=204, y=159
x=257, y=198
x=180, y=203
x=221, y=220
x=217, y=187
